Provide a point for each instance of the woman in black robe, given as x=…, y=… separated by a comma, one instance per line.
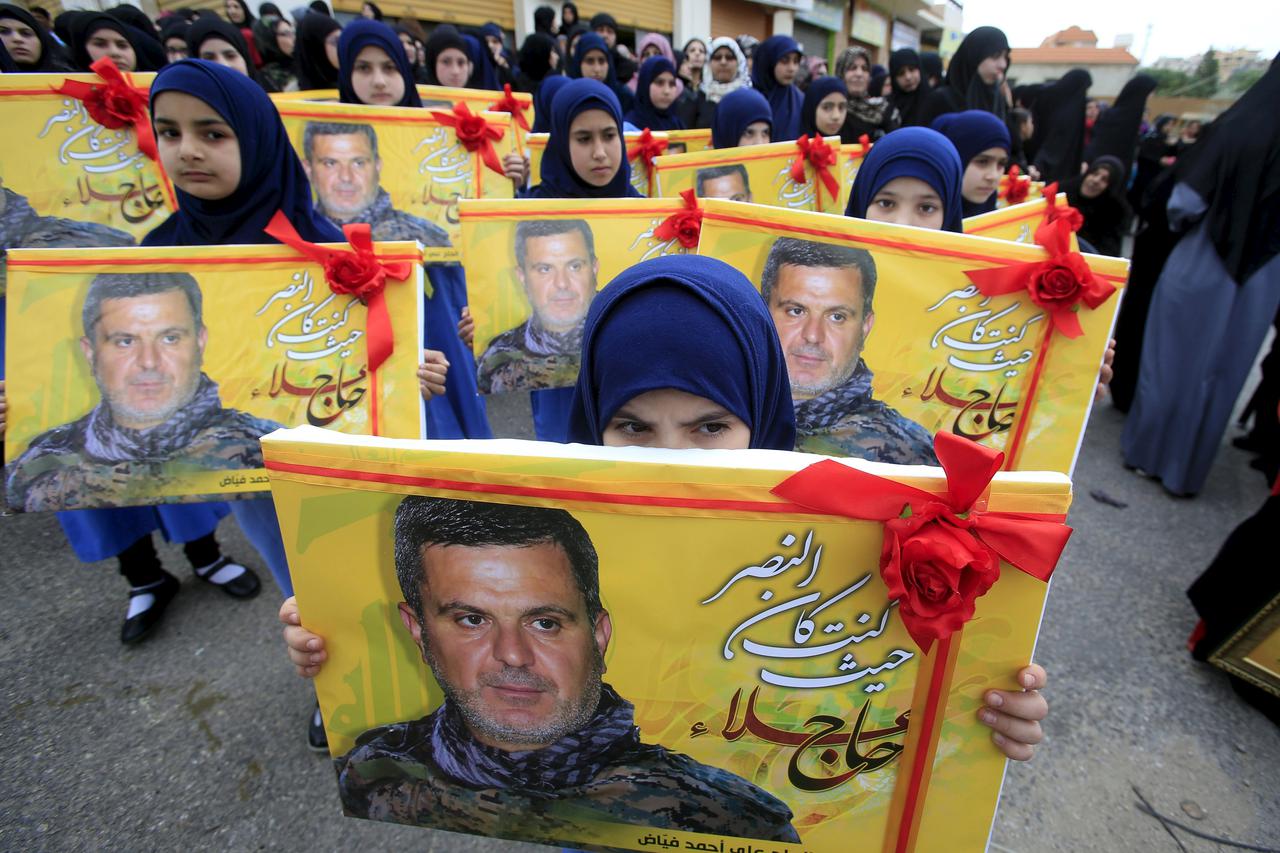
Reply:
x=973, y=77
x=1057, y=148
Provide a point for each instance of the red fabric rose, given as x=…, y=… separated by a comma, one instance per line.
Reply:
x=356, y=273
x=683, y=225
x=936, y=569
x=116, y=105
x=475, y=134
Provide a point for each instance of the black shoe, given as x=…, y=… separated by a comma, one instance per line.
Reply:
x=139, y=626
x=242, y=585
x=317, y=739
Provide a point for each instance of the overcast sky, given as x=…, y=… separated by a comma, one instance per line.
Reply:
x=1178, y=27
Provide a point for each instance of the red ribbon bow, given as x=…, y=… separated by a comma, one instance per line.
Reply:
x=475, y=134
x=940, y=552
x=117, y=104
x=357, y=272
x=817, y=153
x=508, y=104
x=865, y=141
x=1059, y=284
x=646, y=147
x=1017, y=187
x=683, y=225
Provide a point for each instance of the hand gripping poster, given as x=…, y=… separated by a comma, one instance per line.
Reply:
x=140, y=376
x=637, y=649
x=533, y=267
x=642, y=149
x=892, y=333
x=1016, y=222
x=402, y=170
x=72, y=172
x=802, y=175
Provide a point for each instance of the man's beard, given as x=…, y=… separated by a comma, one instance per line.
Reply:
x=565, y=718
x=355, y=209
x=122, y=411
x=837, y=378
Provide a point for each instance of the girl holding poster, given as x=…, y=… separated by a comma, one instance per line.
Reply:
x=777, y=60
x=716, y=380
x=743, y=118
x=983, y=143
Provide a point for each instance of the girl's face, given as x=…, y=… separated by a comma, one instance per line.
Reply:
x=20, y=40
x=366, y=11
x=662, y=91
x=376, y=79
x=857, y=77
x=724, y=65
x=115, y=47
x=595, y=66
x=286, y=38
x=595, y=147
x=784, y=70
x=1091, y=111
x=453, y=68
x=331, y=47
x=830, y=115
x=757, y=133
x=908, y=201
x=223, y=52
x=676, y=420
x=695, y=53
x=175, y=49
x=1095, y=183
x=198, y=149
x=235, y=14
x=982, y=175
x=650, y=50
x=992, y=69
x=406, y=41
x=420, y=51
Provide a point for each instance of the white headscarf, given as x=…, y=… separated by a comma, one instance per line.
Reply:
x=715, y=91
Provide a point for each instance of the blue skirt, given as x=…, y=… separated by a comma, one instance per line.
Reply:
x=460, y=413
x=99, y=534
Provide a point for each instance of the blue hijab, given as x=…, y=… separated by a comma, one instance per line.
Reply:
x=644, y=113
x=723, y=348
x=911, y=152
x=818, y=89
x=271, y=178
x=785, y=101
x=558, y=179
x=972, y=132
x=362, y=33
x=737, y=111
x=542, y=98
x=594, y=41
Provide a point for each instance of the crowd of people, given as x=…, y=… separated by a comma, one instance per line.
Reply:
x=1205, y=210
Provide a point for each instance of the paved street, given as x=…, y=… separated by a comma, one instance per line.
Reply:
x=196, y=739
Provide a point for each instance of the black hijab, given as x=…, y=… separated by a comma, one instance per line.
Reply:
x=313, y=69
x=1115, y=133
x=7, y=65
x=1104, y=216
x=148, y=53
x=442, y=38
x=910, y=105
x=247, y=23
x=535, y=58
x=1057, y=146
x=136, y=18
x=52, y=58
x=1235, y=167
x=963, y=88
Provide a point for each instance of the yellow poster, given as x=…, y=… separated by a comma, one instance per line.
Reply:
x=645, y=649
x=638, y=152
x=1016, y=222
x=138, y=376
x=889, y=338
x=533, y=267
x=850, y=160
x=401, y=170
x=433, y=97
x=779, y=174
x=65, y=180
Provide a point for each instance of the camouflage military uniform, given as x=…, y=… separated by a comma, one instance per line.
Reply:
x=527, y=358
x=388, y=224
x=393, y=774
x=848, y=421
x=22, y=228
x=92, y=462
